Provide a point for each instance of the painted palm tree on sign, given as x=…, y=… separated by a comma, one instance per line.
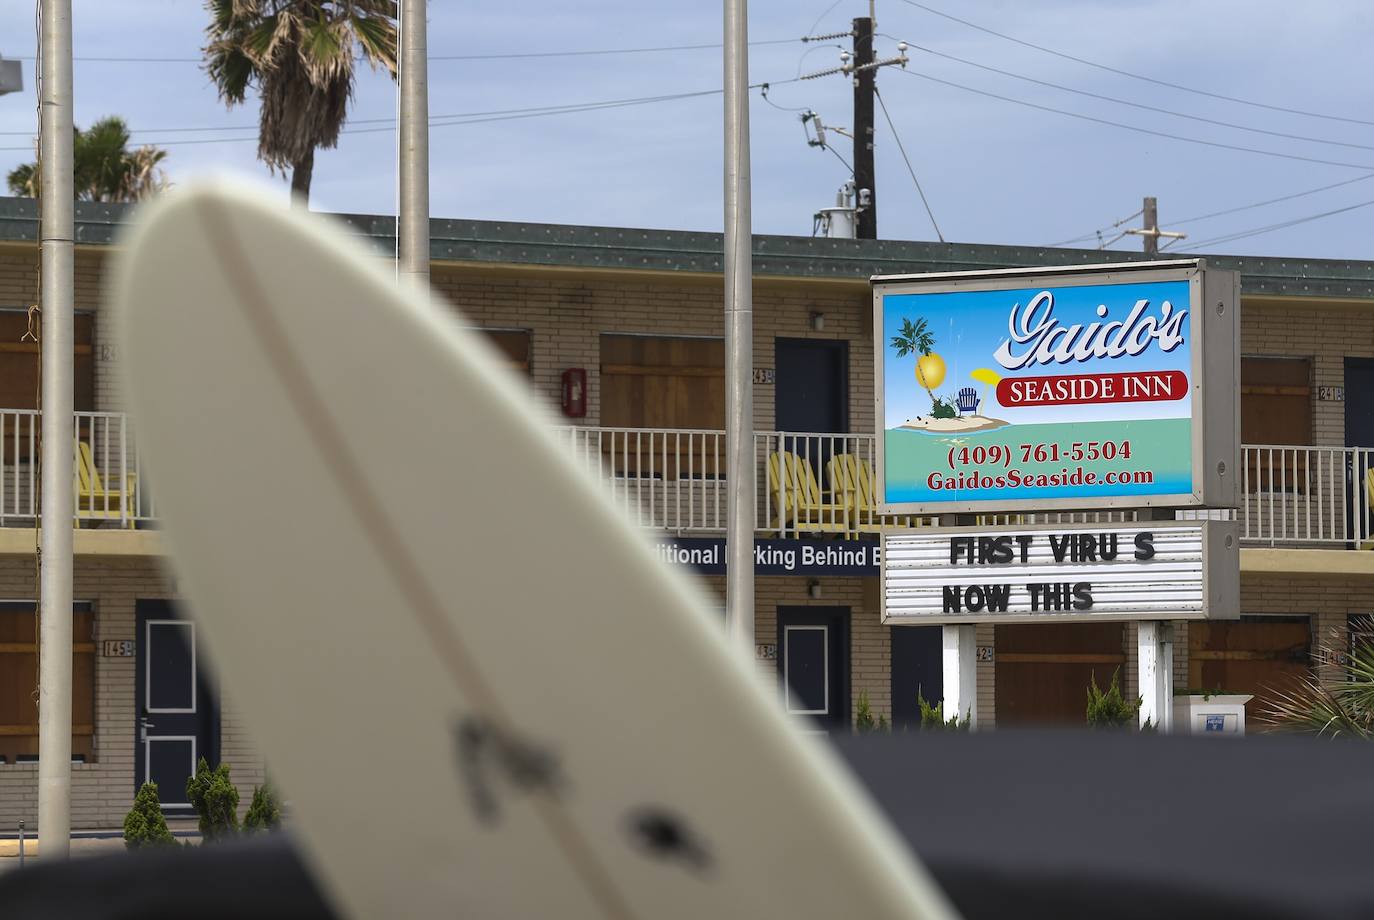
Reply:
x=299, y=55
x=930, y=367
x=103, y=166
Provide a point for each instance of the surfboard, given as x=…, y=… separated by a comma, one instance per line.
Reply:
x=480, y=691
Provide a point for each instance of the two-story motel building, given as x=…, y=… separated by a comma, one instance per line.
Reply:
x=621, y=332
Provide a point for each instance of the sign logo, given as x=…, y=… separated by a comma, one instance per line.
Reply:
x=1059, y=391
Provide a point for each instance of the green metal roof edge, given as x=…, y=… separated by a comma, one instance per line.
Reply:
x=615, y=248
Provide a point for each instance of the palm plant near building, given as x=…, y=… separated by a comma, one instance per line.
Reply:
x=1343, y=707
x=103, y=166
x=299, y=55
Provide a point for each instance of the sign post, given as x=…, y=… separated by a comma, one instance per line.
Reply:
x=1108, y=389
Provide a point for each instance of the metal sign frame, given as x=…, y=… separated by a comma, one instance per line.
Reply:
x=1214, y=339
x=1220, y=574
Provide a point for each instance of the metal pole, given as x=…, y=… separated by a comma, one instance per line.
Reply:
x=412, y=225
x=55, y=242
x=739, y=334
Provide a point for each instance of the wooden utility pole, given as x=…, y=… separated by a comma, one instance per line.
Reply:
x=1150, y=222
x=864, y=177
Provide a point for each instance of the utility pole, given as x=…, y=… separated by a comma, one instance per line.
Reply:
x=1150, y=218
x=412, y=219
x=58, y=437
x=739, y=335
x=864, y=178
x=1150, y=233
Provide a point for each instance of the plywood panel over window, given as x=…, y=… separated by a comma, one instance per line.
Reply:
x=19, y=363
x=514, y=344
x=1276, y=408
x=19, y=676
x=662, y=382
x=1258, y=655
x=1043, y=670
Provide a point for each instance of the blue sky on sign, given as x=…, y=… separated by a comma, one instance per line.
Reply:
x=969, y=326
x=995, y=168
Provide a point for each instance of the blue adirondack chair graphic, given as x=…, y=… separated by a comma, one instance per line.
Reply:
x=968, y=400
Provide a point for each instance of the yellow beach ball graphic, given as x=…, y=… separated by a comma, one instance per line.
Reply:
x=930, y=371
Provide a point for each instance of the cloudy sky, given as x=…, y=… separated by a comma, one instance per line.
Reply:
x=995, y=170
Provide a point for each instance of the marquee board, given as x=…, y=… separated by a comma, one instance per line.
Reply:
x=1149, y=570
x=1107, y=386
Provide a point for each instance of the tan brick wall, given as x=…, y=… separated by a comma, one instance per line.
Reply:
x=102, y=791
x=1327, y=335
x=568, y=316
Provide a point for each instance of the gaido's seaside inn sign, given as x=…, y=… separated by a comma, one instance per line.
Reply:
x=1111, y=386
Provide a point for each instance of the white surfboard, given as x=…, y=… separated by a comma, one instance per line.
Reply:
x=481, y=692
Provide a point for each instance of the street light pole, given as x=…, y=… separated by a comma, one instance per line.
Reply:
x=55, y=296
x=412, y=225
x=739, y=334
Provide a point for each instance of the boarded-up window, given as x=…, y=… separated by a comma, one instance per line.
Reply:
x=662, y=382
x=19, y=676
x=19, y=363
x=514, y=344
x=1259, y=655
x=1276, y=409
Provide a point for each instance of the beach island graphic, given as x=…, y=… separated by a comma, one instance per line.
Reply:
x=1043, y=392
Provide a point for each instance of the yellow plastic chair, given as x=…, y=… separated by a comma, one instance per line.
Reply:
x=96, y=502
x=853, y=477
x=798, y=499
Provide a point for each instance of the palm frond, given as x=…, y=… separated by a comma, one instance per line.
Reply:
x=1341, y=707
x=23, y=180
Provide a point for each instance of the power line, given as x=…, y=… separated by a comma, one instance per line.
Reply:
x=1135, y=76
x=497, y=56
x=840, y=158
x=1256, y=231
x=447, y=121
x=1259, y=204
x=459, y=118
x=1138, y=105
x=1140, y=130
x=898, y=138
x=1096, y=234
x=1200, y=217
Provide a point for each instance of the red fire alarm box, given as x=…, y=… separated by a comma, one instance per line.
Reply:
x=575, y=392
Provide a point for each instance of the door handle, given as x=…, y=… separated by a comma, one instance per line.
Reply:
x=143, y=726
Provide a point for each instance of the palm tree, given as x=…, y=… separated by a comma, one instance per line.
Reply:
x=930, y=367
x=103, y=166
x=299, y=56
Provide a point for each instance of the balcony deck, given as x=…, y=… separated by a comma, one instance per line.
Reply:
x=673, y=482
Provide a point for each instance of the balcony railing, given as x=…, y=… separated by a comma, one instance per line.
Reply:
x=673, y=481
x=108, y=483
x=1306, y=496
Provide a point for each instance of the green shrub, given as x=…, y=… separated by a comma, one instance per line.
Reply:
x=943, y=409
x=863, y=717
x=264, y=813
x=144, y=825
x=933, y=718
x=1111, y=709
x=215, y=800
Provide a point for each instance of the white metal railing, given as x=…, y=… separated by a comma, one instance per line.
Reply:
x=1300, y=495
x=673, y=480
x=107, y=484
